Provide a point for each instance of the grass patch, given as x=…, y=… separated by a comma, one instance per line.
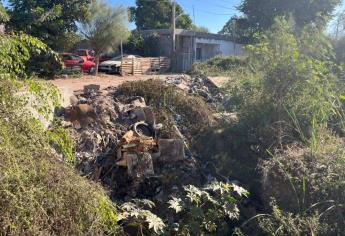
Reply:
x=219, y=66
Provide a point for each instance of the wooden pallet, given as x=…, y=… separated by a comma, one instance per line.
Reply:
x=146, y=65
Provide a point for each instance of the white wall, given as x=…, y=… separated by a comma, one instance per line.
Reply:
x=226, y=48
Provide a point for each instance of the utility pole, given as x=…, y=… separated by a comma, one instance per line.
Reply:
x=121, y=58
x=193, y=41
x=173, y=34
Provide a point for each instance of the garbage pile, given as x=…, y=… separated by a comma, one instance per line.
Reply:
x=119, y=145
x=199, y=85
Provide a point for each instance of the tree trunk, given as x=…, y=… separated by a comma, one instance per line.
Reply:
x=97, y=64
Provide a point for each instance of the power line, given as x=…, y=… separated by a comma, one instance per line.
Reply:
x=214, y=13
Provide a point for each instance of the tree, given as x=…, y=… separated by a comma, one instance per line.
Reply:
x=105, y=28
x=337, y=36
x=4, y=17
x=259, y=15
x=157, y=15
x=239, y=30
x=48, y=20
x=201, y=29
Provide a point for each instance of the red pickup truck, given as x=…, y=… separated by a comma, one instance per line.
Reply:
x=86, y=54
x=74, y=63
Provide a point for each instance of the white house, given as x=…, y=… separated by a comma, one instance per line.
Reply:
x=193, y=46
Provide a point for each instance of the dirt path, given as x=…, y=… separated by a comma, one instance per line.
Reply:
x=69, y=85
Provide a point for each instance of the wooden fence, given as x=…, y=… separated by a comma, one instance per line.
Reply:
x=145, y=65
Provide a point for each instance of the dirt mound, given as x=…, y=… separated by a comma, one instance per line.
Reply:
x=120, y=143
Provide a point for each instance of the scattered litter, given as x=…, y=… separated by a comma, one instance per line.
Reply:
x=119, y=144
x=201, y=86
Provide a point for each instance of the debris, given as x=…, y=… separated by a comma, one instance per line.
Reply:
x=92, y=88
x=118, y=144
x=171, y=150
x=201, y=86
x=74, y=100
x=80, y=115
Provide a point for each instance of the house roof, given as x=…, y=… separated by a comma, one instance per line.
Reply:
x=187, y=33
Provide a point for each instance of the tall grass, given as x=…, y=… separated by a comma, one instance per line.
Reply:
x=39, y=194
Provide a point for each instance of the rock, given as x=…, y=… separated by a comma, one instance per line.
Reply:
x=73, y=100
x=92, y=88
x=138, y=102
x=139, y=164
x=82, y=100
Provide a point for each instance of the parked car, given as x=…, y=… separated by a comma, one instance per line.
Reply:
x=74, y=63
x=86, y=54
x=107, y=56
x=113, y=65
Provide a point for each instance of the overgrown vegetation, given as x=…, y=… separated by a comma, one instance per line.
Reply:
x=204, y=210
x=219, y=66
x=23, y=56
x=288, y=143
x=193, y=113
x=51, y=21
x=39, y=193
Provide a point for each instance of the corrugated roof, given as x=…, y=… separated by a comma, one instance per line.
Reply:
x=187, y=33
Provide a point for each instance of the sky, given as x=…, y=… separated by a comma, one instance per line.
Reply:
x=212, y=14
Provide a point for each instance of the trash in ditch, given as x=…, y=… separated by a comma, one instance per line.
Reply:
x=119, y=145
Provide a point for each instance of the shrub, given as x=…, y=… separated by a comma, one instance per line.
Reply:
x=23, y=56
x=219, y=65
x=40, y=195
x=285, y=223
x=207, y=210
x=310, y=180
x=191, y=111
x=137, y=216
x=291, y=119
x=285, y=84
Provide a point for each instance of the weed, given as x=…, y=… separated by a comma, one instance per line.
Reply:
x=190, y=111
x=40, y=195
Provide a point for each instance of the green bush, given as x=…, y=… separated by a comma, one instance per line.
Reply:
x=39, y=194
x=285, y=84
x=291, y=124
x=287, y=143
x=309, y=181
x=23, y=56
x=193, y=112
x=219, y=65
x=207, y=210
x=61, y=140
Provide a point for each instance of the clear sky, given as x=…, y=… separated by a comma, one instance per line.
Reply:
x=212, y=14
